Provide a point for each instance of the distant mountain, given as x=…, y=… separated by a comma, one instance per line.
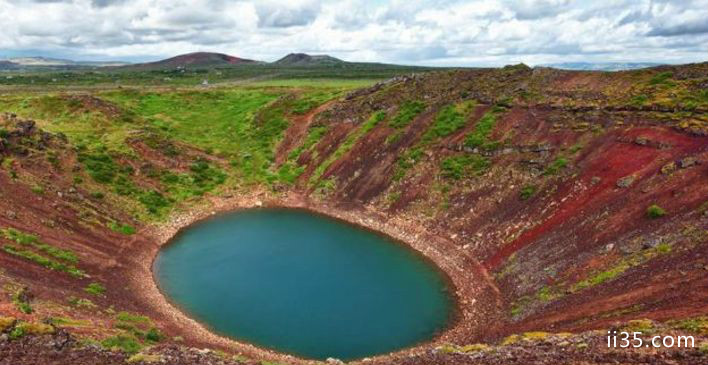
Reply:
x=302, y=59
x=601, y=66
x=58, y=62
x=193, y=61
x=7, y=65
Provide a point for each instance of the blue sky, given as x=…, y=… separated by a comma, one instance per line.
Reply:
x=424, y=32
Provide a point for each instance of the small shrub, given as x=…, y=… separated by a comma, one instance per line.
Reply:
x=153, y=335
x=100, y=166
x=122, y=228
x=122, y=342
x=153, y=201
x=663, y=78
x=37, y=189
x=24, y=307
x=639, y=100
x=6, y=323
x=557, y=165
x=663, y=248
x=654, y=211
x=527, y=192
x=16, y=333
x=95, y=289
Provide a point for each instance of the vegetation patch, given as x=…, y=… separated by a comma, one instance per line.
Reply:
x=654, y=211
x=645, y=326
x=43, y=261
x=554, y=168
x=406, y=113
x=527, y=192
x=457, y=167
x=95, y=289
x=122, y=342
x=21, y=300
x=448, y=120
x=122, y=228
x=479, y=137
x=698, y=325
x=622, y=266
x=6, y=323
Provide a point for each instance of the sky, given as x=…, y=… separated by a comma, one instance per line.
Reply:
x=417, y=32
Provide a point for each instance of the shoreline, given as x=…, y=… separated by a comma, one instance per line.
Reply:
x=462, y=273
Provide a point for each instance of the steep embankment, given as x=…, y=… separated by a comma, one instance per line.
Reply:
x=556, y=200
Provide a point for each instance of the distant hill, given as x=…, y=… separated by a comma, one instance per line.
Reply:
x=601, y=66
x=302, y=59
x=58, y=62
x=194, y=61
x=7, y=65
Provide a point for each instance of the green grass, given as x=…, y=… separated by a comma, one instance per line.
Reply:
x=95, y=289
x=27, y=239
x=527, y=192
x=698, y=325
x=18, y=298
x=43, y=261
x=663, y=78
x=556, y=166
x=122, y=228
x=131, y=317
x=448, y=120
x=407, y=160
x=406, y=113
x=654, y=211
x=457, y=167
x=126, y=343
x=306, y=103
x=479, y=137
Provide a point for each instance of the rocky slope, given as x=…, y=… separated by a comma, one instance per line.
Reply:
x=559, y=201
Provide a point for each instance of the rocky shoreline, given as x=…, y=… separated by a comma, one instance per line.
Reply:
x=473, y=290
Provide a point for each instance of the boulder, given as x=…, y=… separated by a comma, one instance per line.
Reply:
x=688, y=162
x=625, y=182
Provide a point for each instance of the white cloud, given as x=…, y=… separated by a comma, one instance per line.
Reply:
x=434, y=32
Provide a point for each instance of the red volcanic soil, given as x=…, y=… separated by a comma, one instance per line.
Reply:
x=615, y=161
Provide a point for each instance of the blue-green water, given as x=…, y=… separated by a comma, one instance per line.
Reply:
x=303, y=284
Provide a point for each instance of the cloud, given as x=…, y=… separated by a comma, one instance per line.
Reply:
x=697, y=26
x=286, y=14
x=429, y=32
